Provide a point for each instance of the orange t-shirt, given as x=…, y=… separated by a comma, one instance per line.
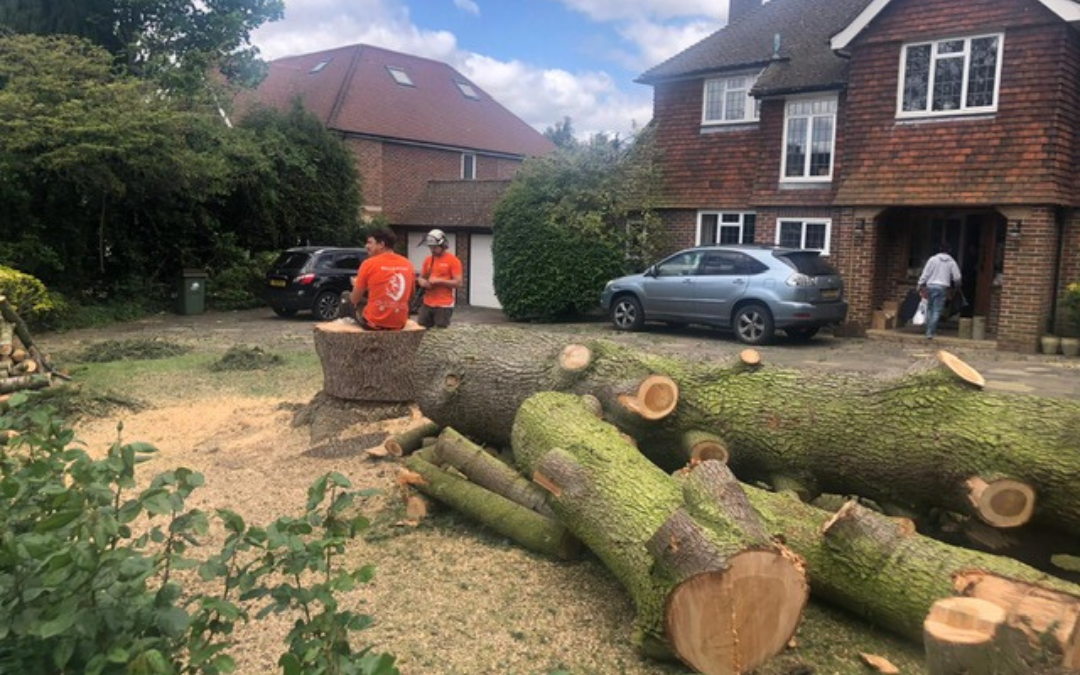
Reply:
x=388, y=279
x=444, y=268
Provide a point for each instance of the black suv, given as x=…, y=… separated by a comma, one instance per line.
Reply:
x=311, y=278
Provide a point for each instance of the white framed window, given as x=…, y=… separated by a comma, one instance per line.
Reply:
x=725, y=227
x=814, y=233
x=727, y=100
x=809, y=139
x=958, y=76
x=468, y=166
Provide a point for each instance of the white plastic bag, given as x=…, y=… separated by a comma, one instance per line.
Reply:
x=920, y=314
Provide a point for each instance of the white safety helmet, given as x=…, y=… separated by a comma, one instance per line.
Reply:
x=435, y=238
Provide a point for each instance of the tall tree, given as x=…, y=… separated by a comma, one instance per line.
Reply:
x=562, y=133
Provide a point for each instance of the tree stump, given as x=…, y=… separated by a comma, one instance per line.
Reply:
x=363, y=365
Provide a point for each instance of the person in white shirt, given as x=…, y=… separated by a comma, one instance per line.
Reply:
x=939, y=275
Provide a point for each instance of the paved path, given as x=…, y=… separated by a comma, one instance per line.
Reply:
x=881, y=353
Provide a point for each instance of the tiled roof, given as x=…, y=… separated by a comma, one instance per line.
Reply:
x=355, y=93
x=789, y=38
x=457, y=204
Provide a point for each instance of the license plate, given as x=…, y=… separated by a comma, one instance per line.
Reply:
x=280, y=283
x=830, y=294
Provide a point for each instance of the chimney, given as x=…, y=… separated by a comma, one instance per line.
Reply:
x=738, y=9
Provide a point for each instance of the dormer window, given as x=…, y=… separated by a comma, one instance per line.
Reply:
x=728, y=100
x=467, y=90
x=959, y=76
x=319, y=66
x=400, y=76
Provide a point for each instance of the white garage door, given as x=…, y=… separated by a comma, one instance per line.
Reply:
x=482, y=273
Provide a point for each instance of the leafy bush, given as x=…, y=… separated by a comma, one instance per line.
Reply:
x=28, y=296
x=570, y=222
x=1070, y=304
x=239, y=284
x=87, y=566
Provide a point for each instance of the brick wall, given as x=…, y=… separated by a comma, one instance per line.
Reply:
x=1024, y=153
x=368, y=157
x=1027, y=292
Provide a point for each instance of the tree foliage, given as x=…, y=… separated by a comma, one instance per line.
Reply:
x=570, y=222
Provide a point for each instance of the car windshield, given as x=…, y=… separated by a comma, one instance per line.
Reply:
x=291, y=260
x=808, y=263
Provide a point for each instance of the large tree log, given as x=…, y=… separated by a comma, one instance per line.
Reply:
x=928, y=438
x=708, y=583
x=362, y=365
x=528, y=528
x=865, y=562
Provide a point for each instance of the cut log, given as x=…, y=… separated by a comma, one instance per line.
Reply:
x=1001, y=502
x=23, y=382
x=526, y=527
x=968, y=635
x=912, y=440
x=410, y=440
x=699, y=446
x=865, y=562
x=7, y=335
x=363, y=365
x=490, y=472
x=709, y=584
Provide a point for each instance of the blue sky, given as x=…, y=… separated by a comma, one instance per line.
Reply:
x=542, y=59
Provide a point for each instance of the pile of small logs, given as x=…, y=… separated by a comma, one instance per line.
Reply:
x=22, y=364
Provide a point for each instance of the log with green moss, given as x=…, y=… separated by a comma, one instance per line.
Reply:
x=930, y=437
x=867, y=563
x=708, y=582
x=523, y=525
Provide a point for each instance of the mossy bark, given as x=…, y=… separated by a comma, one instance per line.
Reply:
x=656, y=534
x=912, y=440
x=523, y=525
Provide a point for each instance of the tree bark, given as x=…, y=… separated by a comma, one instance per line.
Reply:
x=363, y=365
x=410, y=440
x=523, y=525
x=915, y=440
x=709, y=584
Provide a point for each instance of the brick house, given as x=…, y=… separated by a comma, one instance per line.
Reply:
x=874, y=129
x=432, y=148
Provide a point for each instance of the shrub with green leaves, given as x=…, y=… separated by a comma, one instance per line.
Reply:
x=29, y=296
x=570, y=222
x=88, y=563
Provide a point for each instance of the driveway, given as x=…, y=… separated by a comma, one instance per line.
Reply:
x=883, y=352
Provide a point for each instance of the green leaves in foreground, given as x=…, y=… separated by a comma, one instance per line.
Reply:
x=88, y=566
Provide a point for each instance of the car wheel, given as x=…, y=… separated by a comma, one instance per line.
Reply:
x=802, y=334
x=326, y=306
x=753, y=324
x=626, y=313
x=281, y=311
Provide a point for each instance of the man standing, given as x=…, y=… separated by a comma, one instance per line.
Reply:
x=938, y=276
x=440, y=276
x=386, y=280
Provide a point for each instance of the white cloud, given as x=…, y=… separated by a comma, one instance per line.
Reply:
x=468, y=6
x=540, y=95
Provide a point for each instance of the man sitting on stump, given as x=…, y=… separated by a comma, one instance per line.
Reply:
x=385, y=280
x=440, y=276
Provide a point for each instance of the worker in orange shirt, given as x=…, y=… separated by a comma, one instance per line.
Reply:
x=385, y=279
x=440, y=277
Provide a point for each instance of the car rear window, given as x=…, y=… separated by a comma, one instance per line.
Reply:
x=291, y=260
x=809, y=263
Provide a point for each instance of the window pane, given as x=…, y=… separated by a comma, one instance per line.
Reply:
x=982, y=72
x=713, y=99
x=791, y=234
x=821, y=147
x=735, y=105
x=950, y=47
x=815, y=236
x=729, y=234
x=730, y=217
x=708, y=228
x=796, y=148
x=916, y=77
x=948, y=83
x=749, y=221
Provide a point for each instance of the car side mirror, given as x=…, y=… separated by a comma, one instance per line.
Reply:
x=650, y=271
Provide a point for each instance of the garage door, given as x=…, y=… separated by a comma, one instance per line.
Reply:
x=482, y=273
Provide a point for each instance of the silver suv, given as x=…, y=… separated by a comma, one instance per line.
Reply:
x=751, y=289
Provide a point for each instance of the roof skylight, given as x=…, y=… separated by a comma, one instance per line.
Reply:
x=319, y=66
x=400, y=76
x=467, y=89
